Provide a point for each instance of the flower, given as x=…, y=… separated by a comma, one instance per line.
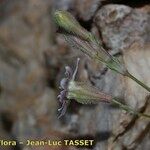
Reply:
x=69, y=24
x=85, y=93
x=64, y=85
x=79, y=91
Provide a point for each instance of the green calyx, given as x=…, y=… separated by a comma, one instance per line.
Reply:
x=86, y=94
x=68, y=23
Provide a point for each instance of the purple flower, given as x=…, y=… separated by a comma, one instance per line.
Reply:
x=78, y=91
x=64, y=84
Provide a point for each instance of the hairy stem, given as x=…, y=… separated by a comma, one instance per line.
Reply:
x=117, y=67
x=128, y=109
x=138, y=81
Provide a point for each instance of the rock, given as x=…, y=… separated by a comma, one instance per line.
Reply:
x=22, y=47
x=25, y=36
x=121, y=26
x=86, y=9
x=63, y=4
x=137, y=56
x=128, y=131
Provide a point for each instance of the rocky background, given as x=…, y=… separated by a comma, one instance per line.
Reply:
x=32, y=61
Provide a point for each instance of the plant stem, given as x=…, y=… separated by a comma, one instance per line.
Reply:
x=138, y=81
x=117, y=67
x=128, y=109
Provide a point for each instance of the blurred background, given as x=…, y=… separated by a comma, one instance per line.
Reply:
x=32, y=61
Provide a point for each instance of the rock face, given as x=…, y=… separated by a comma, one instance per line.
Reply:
x=121, y=26
x=32, y=62
x=86, y=9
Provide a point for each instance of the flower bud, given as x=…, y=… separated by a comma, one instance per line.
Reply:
x=68, y=23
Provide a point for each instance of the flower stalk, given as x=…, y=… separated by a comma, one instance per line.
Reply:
x=138, y=81
x=81, y=39
x=115, y=100
x=85, y=93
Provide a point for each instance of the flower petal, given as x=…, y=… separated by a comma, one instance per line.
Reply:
x=68, y=72
x=59, y=97
x=59, y=109
x=63, y=83
x=62, y=95
x=63, y=109
x=76, y=69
